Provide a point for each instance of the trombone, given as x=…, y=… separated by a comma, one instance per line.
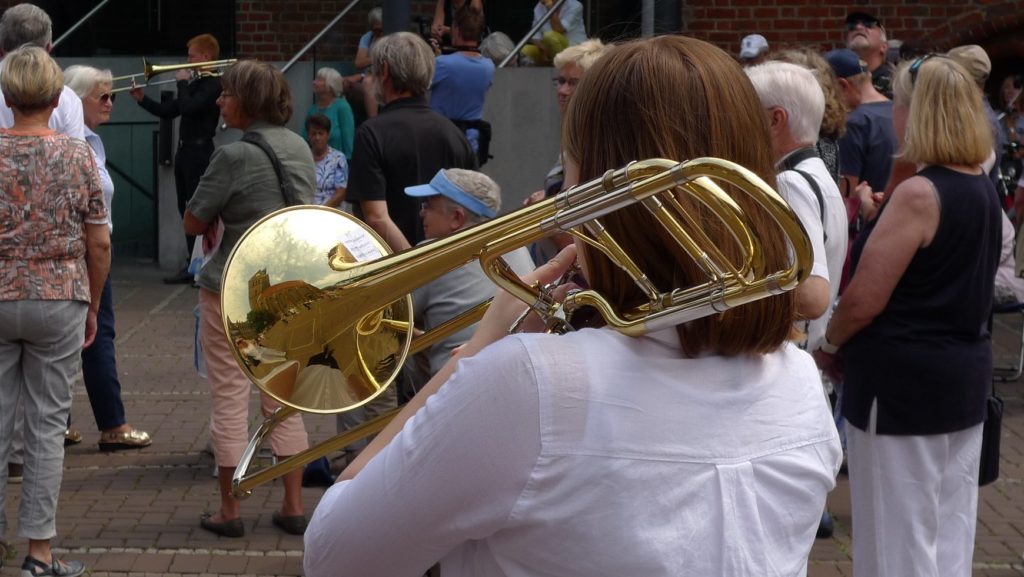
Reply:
x=318, y=313
x=149, y=70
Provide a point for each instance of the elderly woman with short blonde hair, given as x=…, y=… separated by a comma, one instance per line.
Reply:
x=55, y=245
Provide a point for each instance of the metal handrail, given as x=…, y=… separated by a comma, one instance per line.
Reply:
x=319, y=35
x=536, y=27
x=79, y=23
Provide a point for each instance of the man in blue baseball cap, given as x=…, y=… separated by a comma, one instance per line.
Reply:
x=454, y=200
x=866, y=150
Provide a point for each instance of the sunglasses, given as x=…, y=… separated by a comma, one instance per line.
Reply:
x=917, y=66
x=852, y=24
x=107, y=97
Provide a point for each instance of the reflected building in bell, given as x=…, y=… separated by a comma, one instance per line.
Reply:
x=281, y=299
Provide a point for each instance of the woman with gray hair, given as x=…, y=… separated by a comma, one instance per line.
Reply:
x=55, y=245
x=99, y=362
x=240, y=187
x=327, y=88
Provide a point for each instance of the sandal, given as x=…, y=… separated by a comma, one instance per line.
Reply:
x=33, y=567
x=227, y=528
x=130, y=439
x=293, y=525
x=7, y=553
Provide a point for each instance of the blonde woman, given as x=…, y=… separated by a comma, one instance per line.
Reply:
x=912, y=329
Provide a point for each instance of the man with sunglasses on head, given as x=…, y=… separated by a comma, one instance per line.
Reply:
x=865, y=35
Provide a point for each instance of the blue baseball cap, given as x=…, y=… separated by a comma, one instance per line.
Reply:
x=441, y=185
x=845, y=62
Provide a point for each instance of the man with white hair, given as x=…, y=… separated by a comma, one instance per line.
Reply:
x=406, y=144
x=794, y=103
x=453, y=201
x=28, y=24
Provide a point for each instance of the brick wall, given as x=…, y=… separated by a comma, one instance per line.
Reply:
x=929, y=24
x=277, y=29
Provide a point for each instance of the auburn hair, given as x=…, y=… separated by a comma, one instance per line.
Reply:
x=678, y=98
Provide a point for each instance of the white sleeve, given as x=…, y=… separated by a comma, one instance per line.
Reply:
x=795, y=190
x=69, y=118
x=453, y=474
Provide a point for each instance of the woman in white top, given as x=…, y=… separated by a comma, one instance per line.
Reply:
x=704, y=449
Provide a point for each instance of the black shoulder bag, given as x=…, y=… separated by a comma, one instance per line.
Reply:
x=287, y=190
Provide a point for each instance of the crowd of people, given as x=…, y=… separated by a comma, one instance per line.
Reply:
x=707, y=447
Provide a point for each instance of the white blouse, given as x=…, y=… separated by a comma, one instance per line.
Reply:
x=593, y=454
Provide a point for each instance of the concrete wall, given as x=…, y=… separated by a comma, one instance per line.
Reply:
x=521, y=108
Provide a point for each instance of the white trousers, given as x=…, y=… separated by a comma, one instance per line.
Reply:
x=914, y=502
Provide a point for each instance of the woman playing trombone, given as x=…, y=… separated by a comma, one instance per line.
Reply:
x=704, y=449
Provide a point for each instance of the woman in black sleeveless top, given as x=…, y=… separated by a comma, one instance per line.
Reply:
x=912, y=327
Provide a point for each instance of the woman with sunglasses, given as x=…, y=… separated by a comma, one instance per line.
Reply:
x=912, y=329
x=99, y=362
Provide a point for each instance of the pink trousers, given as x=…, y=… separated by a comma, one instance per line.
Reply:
x=230, y=389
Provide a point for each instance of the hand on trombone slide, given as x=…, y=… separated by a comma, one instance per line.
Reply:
x=504, y=310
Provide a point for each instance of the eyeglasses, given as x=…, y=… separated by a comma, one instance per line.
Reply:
x=917, y=66
x=869, y=24
x=107, y=97
x=562, y=81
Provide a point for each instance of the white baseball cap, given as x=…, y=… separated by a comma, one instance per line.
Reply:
x=753, y=45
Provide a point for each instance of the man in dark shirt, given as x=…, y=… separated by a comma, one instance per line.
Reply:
x=866, y=150
x=405, y=145
x=196, y=103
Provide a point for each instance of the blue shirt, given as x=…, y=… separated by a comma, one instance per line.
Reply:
x=331, y=174
x=460, y=84
x=866, y=150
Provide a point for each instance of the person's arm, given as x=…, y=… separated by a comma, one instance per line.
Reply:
x=569, y=17
x=192, y=225
x=336, y=199
x=362, y=58
x=375, y=215
x=97, y=264
x=906, y=225
x=214, y=191
x=168, y=109
x=454, y=474
x=812, y=295
x=69, y=118
x=347, y=125
x=437, y=27
x=504, y=310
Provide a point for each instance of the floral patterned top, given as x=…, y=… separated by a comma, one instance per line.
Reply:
x=49, y=190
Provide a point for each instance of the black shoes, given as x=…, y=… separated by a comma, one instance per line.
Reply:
x=14, y=473
x=182, y=277
x=228, y=528
x=825, y=526
x=293, y=525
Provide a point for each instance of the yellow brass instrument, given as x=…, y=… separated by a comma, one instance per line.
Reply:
x=149, y=70
x=319, y=315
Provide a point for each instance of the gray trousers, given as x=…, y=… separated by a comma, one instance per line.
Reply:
x=40, y=352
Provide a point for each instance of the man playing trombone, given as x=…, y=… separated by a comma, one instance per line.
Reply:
x=196, y=103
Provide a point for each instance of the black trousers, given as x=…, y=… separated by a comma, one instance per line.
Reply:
x=190, y=163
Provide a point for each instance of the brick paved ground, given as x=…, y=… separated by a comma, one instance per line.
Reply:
x=136, y=513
